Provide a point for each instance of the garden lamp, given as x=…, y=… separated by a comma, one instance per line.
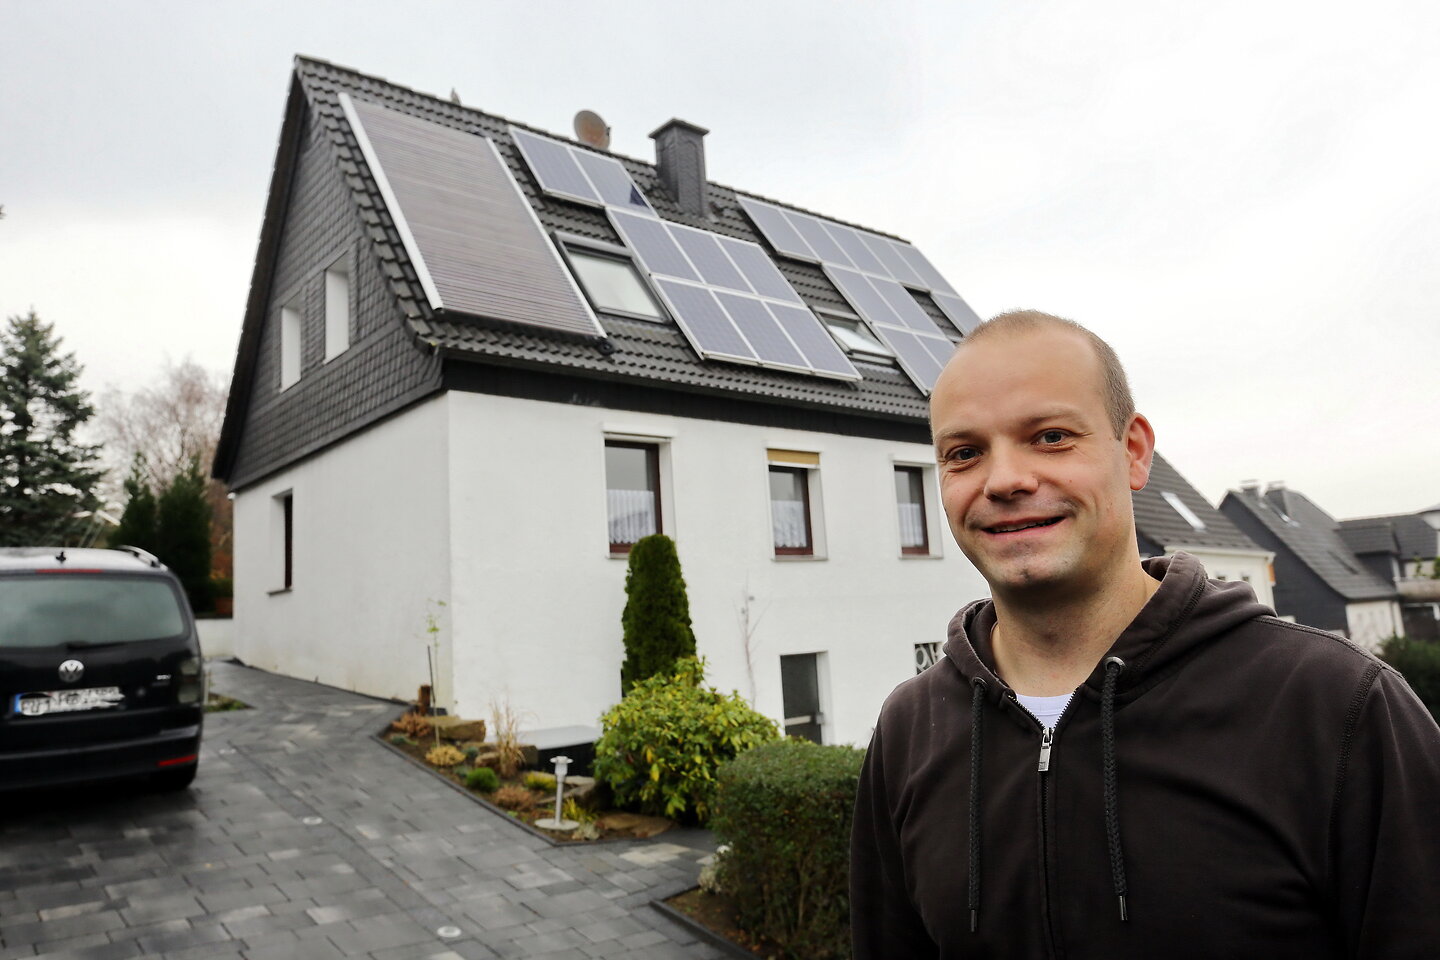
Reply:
x=562, y=765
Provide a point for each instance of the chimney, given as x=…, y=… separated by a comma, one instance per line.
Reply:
x=680, y=159
x=1250, y=486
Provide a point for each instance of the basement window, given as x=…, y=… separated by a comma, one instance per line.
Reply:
x=613, y=285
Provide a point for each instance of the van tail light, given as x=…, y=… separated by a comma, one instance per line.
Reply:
x=192, y=681
x=178, y=761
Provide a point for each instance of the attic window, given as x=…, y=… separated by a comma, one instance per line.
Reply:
x=856, y=339
x=337, y=309
x=1183, y=510
x=613, y=285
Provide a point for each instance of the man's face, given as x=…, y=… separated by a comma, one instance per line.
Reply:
x=1033, y=480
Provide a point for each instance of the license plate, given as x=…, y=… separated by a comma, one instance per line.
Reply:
x=67, y=701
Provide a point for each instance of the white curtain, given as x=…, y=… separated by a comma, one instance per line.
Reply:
x=912, y=525
x=788, y=519
x=632, y=515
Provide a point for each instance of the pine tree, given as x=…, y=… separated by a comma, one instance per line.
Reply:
x=47, y=477
x=657, y=612
x=183, y=533
x=138, y=524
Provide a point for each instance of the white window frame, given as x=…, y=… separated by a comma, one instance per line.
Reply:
x=279, y=545
x=339, y=295
x=818, y=543
x=291, y=340
x=661, y=441
x=936, y=525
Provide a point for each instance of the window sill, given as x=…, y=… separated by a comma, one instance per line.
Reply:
x=272, y=593
x=797, y=557
x=922, y=556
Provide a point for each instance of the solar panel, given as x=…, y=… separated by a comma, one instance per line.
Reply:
x=473, y=238
x=873, y=273
x=729, y=299
x=568, y=171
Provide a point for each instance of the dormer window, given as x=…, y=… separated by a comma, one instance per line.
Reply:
x=1184, y=511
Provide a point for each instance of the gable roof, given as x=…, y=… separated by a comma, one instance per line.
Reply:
x=1159, y=522
x=1405, y=534
x=1313, y=536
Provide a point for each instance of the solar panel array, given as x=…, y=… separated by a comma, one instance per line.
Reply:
x=729, y=298
x=576, y=174
x=872, y=272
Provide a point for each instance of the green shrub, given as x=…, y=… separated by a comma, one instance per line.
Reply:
x=535, y=780
x=483, y=779
x=1419, y=662
x=661, y=746
x=785, y=810
x=399, y=739
x=656, y=620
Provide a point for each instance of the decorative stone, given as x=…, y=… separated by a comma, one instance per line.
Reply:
x=578, y=788
x=637, y=823
x=458, y=728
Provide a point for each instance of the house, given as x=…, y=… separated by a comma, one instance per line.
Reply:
x=1401, y=548
x=1319, y=580
x=478, y=361
x=1171, y=516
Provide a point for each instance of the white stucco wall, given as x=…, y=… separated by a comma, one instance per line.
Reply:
x=370, y=552
x=536, y=597
x=1370, y=623
x=1251, y=566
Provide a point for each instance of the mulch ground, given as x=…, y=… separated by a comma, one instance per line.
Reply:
x=715, y=911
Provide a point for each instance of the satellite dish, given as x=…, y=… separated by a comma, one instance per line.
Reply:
x=589, y=128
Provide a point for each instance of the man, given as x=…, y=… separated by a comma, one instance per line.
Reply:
x=1119, y=759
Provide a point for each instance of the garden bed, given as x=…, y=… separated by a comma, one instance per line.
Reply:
x=712, y=916
x=219, y=703
x=608, y=825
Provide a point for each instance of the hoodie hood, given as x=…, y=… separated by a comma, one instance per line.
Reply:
x=1180, y=617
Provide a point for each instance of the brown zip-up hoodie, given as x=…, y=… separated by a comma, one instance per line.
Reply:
x=1273, y=792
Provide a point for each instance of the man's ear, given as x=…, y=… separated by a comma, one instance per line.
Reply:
x=1140, y=450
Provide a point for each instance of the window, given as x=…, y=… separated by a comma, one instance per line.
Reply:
x=632, y=492
x=856, y=339
x=790, y=510
x=1184, y=511
x=289, y=346
x=927, y=654
x=800, y=689
x=337, y=310
x=282, y=527
x=613, y=285
x=910, y=502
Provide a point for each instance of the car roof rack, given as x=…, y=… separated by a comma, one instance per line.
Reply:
x=145, y=556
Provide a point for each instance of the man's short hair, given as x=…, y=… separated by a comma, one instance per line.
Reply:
x=1119, y=404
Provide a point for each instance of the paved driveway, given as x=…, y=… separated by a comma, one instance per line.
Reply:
x=303, y=838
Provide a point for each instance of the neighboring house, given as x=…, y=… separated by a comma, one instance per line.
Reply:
x=1401, y=548
x=1171, y=515
x=1318, y=578
x=478, y=362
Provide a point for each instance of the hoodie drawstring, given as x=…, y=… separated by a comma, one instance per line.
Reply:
x=1113, y=667
x=977, y=704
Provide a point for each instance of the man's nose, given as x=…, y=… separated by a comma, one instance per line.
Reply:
x=1011, y=475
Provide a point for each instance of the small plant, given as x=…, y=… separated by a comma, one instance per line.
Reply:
x=444, y=756
x=544, y=782
x=570, y=810
x=432, y=647
x=471, y=751
x=483, y=779
x=663, y=743
x=507, y=738
x=514, y=797
x=412, y=725
x=399, y=739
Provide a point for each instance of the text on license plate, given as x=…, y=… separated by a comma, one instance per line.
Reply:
x=67, y=701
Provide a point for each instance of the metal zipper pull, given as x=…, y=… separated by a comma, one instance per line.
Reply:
x=1047, y=739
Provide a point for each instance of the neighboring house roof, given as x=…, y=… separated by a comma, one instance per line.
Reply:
x=1405, y=534
x=1160, y=522
x=1314, y=537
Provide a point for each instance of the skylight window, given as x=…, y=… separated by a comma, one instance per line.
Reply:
x=856, y=339
x=613, y=285
x=1184, y=511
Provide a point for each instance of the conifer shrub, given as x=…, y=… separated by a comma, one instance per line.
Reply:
x=785, y=810
x=661, y=746
x=544, y=782
x=483, y=779
x=182, y=533
x=1419, y=663
x=656, y=620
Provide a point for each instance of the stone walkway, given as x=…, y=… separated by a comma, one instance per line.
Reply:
x=303, y=838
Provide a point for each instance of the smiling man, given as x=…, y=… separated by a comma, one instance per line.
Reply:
x=1117, y=758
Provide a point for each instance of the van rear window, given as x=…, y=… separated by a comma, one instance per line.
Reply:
x=41, y=611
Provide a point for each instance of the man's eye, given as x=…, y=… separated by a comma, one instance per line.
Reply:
x=1052, y=436
x=964, y=453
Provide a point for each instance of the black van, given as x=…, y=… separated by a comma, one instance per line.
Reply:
x=100, y=669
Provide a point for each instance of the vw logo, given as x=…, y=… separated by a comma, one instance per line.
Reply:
x=71, y=670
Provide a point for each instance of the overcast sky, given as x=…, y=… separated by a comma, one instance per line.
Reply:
x=1244, y=198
